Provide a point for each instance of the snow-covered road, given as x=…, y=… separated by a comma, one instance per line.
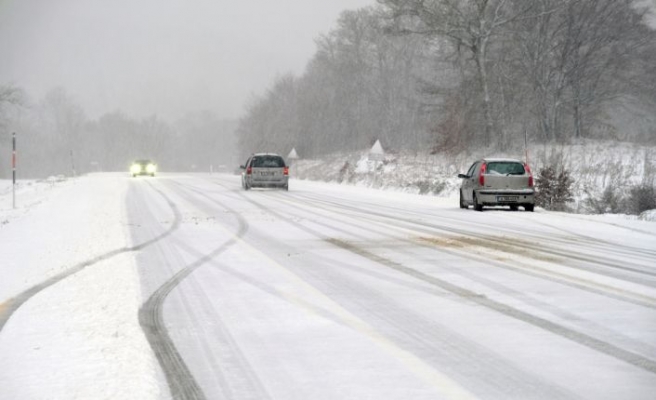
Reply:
x=187, y=287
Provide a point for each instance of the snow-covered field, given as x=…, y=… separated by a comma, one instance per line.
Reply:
x=185, y=286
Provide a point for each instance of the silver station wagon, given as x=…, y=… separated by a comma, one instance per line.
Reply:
x=265, y=170
x=497, y=182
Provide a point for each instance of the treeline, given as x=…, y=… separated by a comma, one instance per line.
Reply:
x=56, y=137
x=446, y=75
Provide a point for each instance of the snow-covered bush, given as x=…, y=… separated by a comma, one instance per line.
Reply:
x=610, y=200
x=554, y=188
x=434, y=187
x=641, y=198
x=636, y=200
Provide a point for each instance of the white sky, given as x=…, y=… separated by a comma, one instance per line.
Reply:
x=165, y=57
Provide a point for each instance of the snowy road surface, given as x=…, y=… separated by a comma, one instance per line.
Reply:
x=187, y=287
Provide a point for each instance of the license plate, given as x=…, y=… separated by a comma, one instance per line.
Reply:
x=506, y=198
x=267, y=173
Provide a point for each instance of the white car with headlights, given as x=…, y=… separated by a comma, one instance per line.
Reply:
x=143, y=167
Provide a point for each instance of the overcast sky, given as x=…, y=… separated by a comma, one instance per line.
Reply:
x=165, y=57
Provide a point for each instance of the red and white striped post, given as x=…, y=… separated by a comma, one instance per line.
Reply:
x=13, y=168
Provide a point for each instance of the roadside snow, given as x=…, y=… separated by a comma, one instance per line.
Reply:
x=79, y=338
x=29, y=193
x=593, y=164
x=648, y=215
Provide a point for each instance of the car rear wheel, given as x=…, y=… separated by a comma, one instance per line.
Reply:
x=514, y=208
x=462, y=201
x=529, y=207
x=477, y=207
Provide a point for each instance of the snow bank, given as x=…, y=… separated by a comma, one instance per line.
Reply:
x=648, y=215
x=593, y=164
x=409, y=173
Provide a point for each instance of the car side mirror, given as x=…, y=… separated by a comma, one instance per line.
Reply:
x=463, y=176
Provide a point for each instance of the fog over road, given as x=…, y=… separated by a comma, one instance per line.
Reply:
x=332, y=292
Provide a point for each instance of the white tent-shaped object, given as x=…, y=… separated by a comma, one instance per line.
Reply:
x=292, y=154
x=377, y=153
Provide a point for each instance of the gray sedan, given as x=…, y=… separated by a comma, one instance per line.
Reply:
x=497, y=182
x=265, y=170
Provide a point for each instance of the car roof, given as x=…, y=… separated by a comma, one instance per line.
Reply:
x=498, y=159
x=266, y=154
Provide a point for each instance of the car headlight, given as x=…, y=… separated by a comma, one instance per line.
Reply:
x=151, y=168
x=135, y=168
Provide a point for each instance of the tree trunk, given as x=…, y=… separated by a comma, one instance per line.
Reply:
x=577, y=116
x=480, y=53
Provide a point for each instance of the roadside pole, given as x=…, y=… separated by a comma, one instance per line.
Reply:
x=526, y=145
x=13, y=169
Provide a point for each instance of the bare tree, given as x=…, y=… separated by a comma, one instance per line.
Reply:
x=468, y=24
x=9, y=96
x=361, y=85
x=64, y=120
x=576, y=56
x=414, y=72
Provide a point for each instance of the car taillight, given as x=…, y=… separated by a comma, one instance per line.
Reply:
x=285, y=171
x=249, y=170
x=530, y=175
x=481, y=176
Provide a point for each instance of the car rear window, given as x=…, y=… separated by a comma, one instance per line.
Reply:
x=505, y=168
x=268, y=162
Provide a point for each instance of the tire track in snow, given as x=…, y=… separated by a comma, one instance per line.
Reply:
x=567, y=333
x=432, y=341
x=442, y=382
x=637, y=347
x=569, y=254
x=9, y=307
x=581, y=338
x=540, y=249
x=618, y=249
x=440, y=343
x=629, y=357
x=181, y=382
x=534, y=271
